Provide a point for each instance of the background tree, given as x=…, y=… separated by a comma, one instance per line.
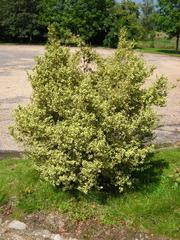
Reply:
x=168, y=18
x=147, y=11
x=80, y=17
x=49, y=11
x=19, y=19
x=125, y=14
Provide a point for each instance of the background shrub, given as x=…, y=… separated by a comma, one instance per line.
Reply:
x=90, y=118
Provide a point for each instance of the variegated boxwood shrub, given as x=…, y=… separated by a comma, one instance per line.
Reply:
x=90, y=119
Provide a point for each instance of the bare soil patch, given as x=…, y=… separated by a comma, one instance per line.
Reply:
x=53, y=226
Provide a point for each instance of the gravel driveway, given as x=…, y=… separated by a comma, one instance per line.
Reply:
x=17, y=60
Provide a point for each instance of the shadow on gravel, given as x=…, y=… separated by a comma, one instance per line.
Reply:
x=18, y=99
x=10, y=154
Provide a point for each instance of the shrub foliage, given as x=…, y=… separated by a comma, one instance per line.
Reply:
x=90, y=118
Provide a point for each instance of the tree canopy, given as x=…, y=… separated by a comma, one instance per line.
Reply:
x=148, y=9
x=125, y=14
x=19, y=19
x=97, y=22
x=81, y=17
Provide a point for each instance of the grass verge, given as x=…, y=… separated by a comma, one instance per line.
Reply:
x=154, y=205
x=169, y=52
x=159, y=46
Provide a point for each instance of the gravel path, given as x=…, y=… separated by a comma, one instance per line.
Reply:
x=17, y=60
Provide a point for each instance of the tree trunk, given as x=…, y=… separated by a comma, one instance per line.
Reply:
x=177, y=43
x=30, y=38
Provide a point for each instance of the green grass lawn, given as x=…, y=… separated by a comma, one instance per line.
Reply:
x=154, y=205
x=166, y=46
x=160, y=51
x=158, y=43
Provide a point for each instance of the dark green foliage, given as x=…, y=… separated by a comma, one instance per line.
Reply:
x=81, y=17
x=19, y=20
x=97, y=22
x=124, y=14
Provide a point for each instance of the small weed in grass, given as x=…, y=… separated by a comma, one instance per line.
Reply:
x=153, y=205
